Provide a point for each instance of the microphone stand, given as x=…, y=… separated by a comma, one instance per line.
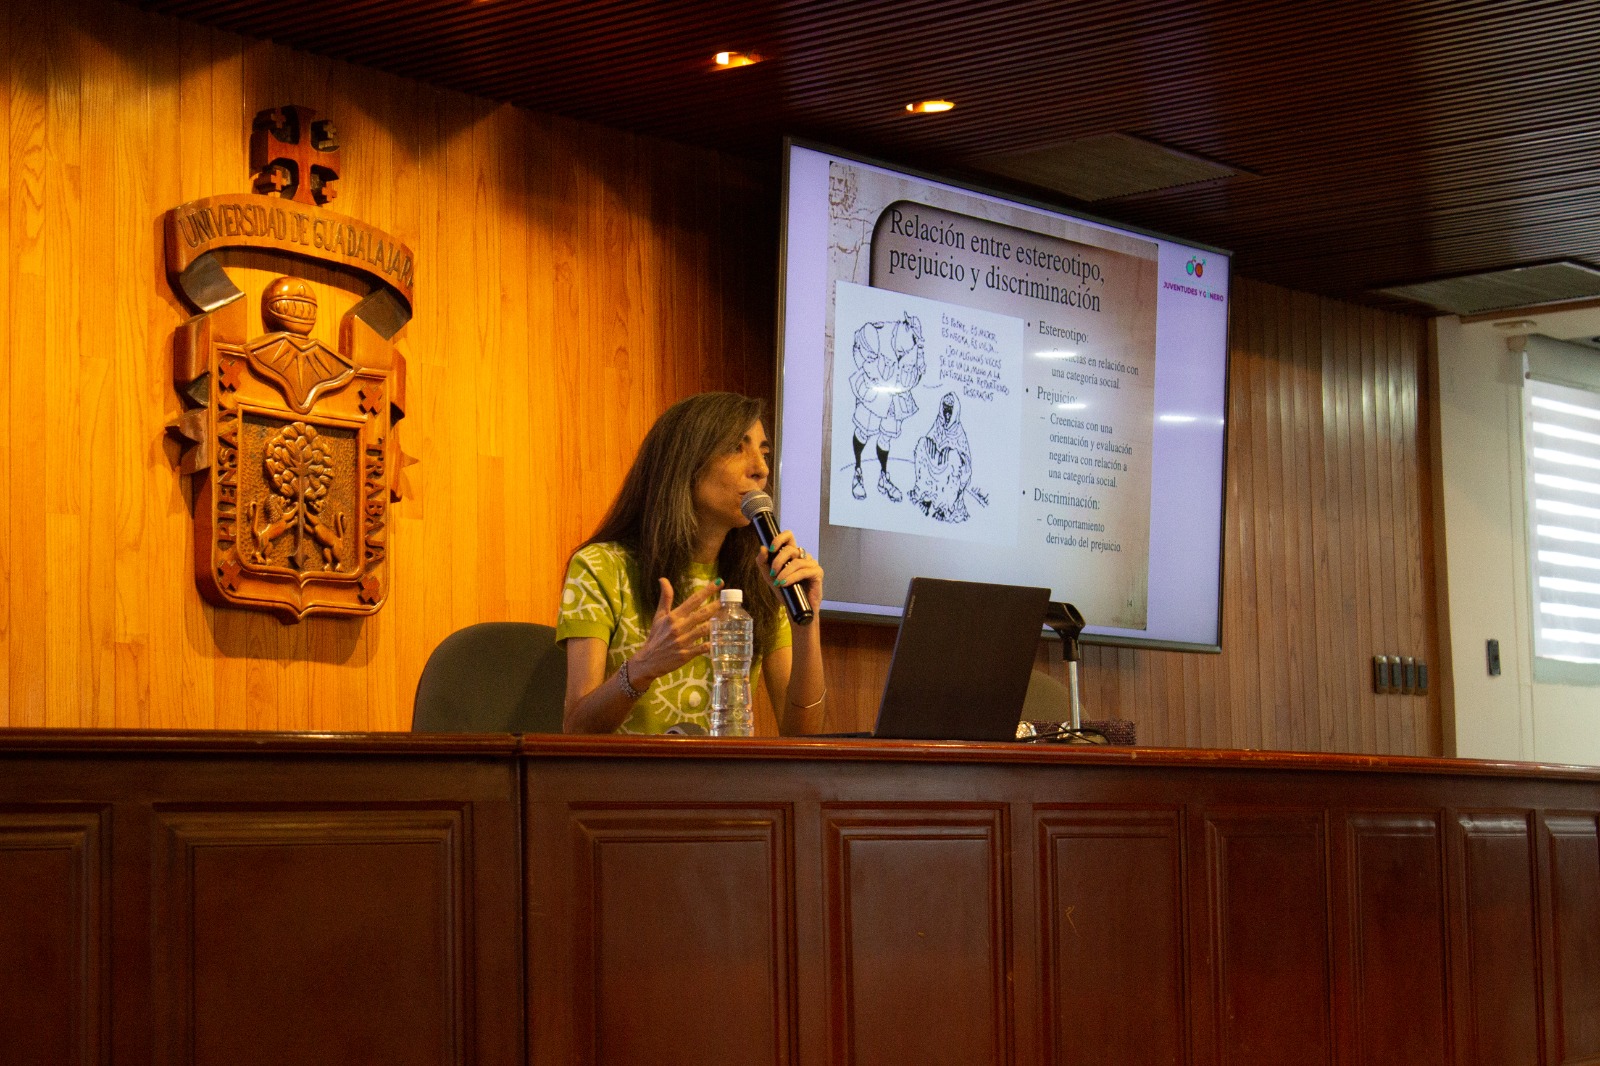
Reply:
x=1067, y=622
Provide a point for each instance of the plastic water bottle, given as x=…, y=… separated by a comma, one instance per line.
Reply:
x=731, y=632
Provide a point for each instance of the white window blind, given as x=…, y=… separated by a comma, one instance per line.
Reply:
x=1563, y=450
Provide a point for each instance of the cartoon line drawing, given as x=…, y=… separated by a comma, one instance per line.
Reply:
x=943, y=460
x=889, y=364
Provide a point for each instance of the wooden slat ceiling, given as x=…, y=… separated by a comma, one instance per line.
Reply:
x=1391, y=142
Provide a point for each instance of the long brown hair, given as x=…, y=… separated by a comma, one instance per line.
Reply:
x=653, y=515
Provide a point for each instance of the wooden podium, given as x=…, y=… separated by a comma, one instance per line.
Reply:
x=286, y=898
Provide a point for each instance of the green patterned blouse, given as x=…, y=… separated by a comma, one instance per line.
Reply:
x=599, y=600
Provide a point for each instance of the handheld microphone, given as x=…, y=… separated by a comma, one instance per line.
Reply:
x=757, y=506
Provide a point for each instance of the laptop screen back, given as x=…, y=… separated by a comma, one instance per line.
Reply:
x=961, y=661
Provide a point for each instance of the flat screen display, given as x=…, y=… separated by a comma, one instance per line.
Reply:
x=983, y=388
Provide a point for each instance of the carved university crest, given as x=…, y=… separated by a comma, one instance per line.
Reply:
x=292, y=444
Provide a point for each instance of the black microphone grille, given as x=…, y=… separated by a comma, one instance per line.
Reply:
x=754, y=502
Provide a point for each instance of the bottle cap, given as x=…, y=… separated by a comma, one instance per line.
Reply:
x=732, y=595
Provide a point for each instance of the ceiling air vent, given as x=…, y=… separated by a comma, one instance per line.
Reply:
x=1504, y=290
x=1105, y=166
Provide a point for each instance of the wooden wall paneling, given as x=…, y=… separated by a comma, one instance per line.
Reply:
x=144, y=566
x=429, y=369
x=1267, y=540
x=133, y=446
x=100, y=404
x=1495, y=938
x=856, y=660
x=1374, y=472
x=1112, y=936
x=1306, y=473
x=693, y=201
x=683, y=935
x=1288, y=711
x=8, y=411
x=544, y=506
x=1187, y=727
x=621, y=423
x=60, y=459
x=412, y=625
x=1355, y=527
x=1345, y=521
x=1572, y=943
x=461, y=373
x=1392, y=716
x=1412, y=488
x=1275, y=625
x=1402, y=484
x=1135, y=691
x=1278, y=630
x=1386, y=577
x=25, y=631
x=1363, y=528
x=1375, y=476
x=365, y=697
x=1313, y=500
x=53, y=1006
x=918, y=915
x=1271, y=999
x=387, y=113
x=559, y=238
x=1343, y=620
x=1420, y=578
x=1397, y=932
x=1327, y=587
x=247, y=690
x=1239, y=595
x=277, y=950
x=1200, y=674
x=184, y=678
x=520, y=511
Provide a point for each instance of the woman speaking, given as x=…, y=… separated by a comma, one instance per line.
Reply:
x=640, y=593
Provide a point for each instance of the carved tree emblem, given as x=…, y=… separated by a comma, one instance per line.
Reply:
x=300, y=470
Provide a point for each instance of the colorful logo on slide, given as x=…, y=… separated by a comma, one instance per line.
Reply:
x=1197, y=267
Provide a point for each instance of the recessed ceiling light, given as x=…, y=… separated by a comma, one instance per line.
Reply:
x=729, y=60
x=930, y=107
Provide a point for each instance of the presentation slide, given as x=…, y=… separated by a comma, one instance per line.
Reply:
x=970, y=391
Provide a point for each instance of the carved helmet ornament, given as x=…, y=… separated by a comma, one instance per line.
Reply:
x=292, y=445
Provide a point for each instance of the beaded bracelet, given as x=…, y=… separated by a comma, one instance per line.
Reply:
x=627, y=684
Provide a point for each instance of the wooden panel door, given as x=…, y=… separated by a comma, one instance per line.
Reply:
x=918, y=921
x=1572, y=843
x=681, y=938
x=1498, y=994
x=1112, y=935
x=1398, y=963
x=1270, y=960
x=53, y=963
x=311, y=937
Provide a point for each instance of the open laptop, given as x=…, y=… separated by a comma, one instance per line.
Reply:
x=961, y=661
